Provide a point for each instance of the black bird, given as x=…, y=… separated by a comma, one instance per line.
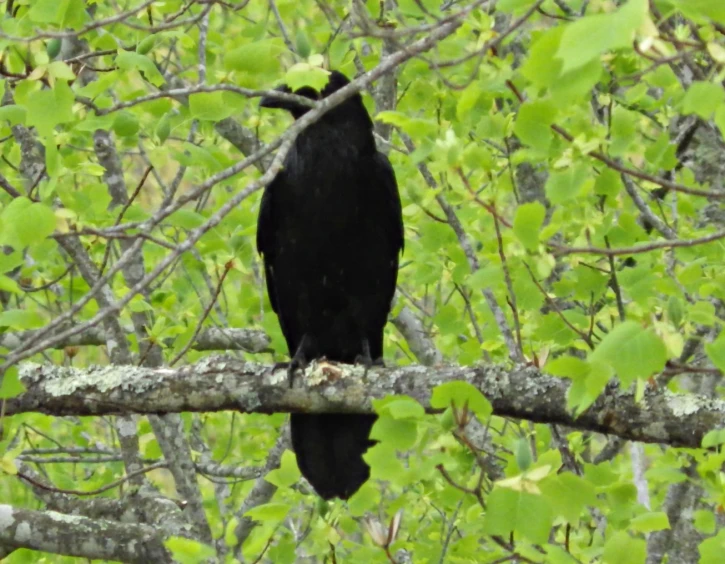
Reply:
x=330, y=231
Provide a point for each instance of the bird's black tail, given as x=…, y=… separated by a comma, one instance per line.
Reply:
x=329, y=449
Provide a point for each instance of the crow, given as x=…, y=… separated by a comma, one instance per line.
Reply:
x=330, y=232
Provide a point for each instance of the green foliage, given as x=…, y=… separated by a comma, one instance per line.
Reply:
x=10, y=384
x=188, y=551
x=461, y=395
x=527, y=224
x=631, y=351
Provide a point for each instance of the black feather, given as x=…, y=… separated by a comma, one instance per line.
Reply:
x=330, y=231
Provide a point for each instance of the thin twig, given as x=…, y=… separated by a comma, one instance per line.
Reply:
x=561, y=250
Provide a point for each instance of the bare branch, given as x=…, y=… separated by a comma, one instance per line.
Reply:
x=223, y=383
x=560, y=250
x=72, y=535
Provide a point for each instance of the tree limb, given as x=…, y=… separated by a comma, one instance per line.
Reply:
x=73, y=535
x=224, y=383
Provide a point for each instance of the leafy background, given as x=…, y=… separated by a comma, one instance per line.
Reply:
x=556, y=188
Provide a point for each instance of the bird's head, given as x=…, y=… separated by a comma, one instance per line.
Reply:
x=335, y=81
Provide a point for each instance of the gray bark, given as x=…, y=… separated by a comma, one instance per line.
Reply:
x=223, y=383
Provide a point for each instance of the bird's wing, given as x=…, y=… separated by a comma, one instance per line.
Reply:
x=392, y=214
x=266, y=228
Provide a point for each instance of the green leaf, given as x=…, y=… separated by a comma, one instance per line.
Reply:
x=53, y=163
x=230, y=537
x=571, y=86
x=287, y=474
x=163, y=128
x=126, y=124
x=189, y=551
x=13, y=114
x=509, y=510
x=608, y=183
x=146, y=44
x=586, y=387
x=513, y=6
x=413, y=126
x=620, y=547
x=632, y=351
x=720, y=119
x=186, y=219
x=130, y=60
x=258, y=57
x=209, y=106
x=544, y=70
x=711, y=549
x=399, y=407
x=303, y=74
x=269, y=512
x=302, y=43
x=524, y=457
x=283, y=551
x=541, y=67
x=716, y=351
x=61, y=71
x=53, y=48
x=662, y=154
x=383, y=461
x=10, y=261
x=527, y=224
x=397, y=433
x=703, y=99
x=37, y=224
x=624, y=129
x=676, y=311
x=467, y=101
x=705, y=521
x=650, y=522
x=702, y=9
x=533, y=124
x=558, y=555
x=10, y=384
x=568, y=495
x=459, y=394
x=363, y=500
x=25, y=223
x=198, y=156
x=66, y=13
x=702, y=313
x=9, y=285
x=21, y=319
x=48, y=108
x=591, y=36
x=563, y=186
x=713, y=438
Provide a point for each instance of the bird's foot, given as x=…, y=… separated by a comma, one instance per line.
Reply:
x=292, y=367
x=366, y=360
x=298, y=362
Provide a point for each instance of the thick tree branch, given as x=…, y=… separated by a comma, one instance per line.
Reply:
x=73, y=535
x=224, y=383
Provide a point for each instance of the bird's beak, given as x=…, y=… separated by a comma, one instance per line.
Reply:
x=272, y=102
